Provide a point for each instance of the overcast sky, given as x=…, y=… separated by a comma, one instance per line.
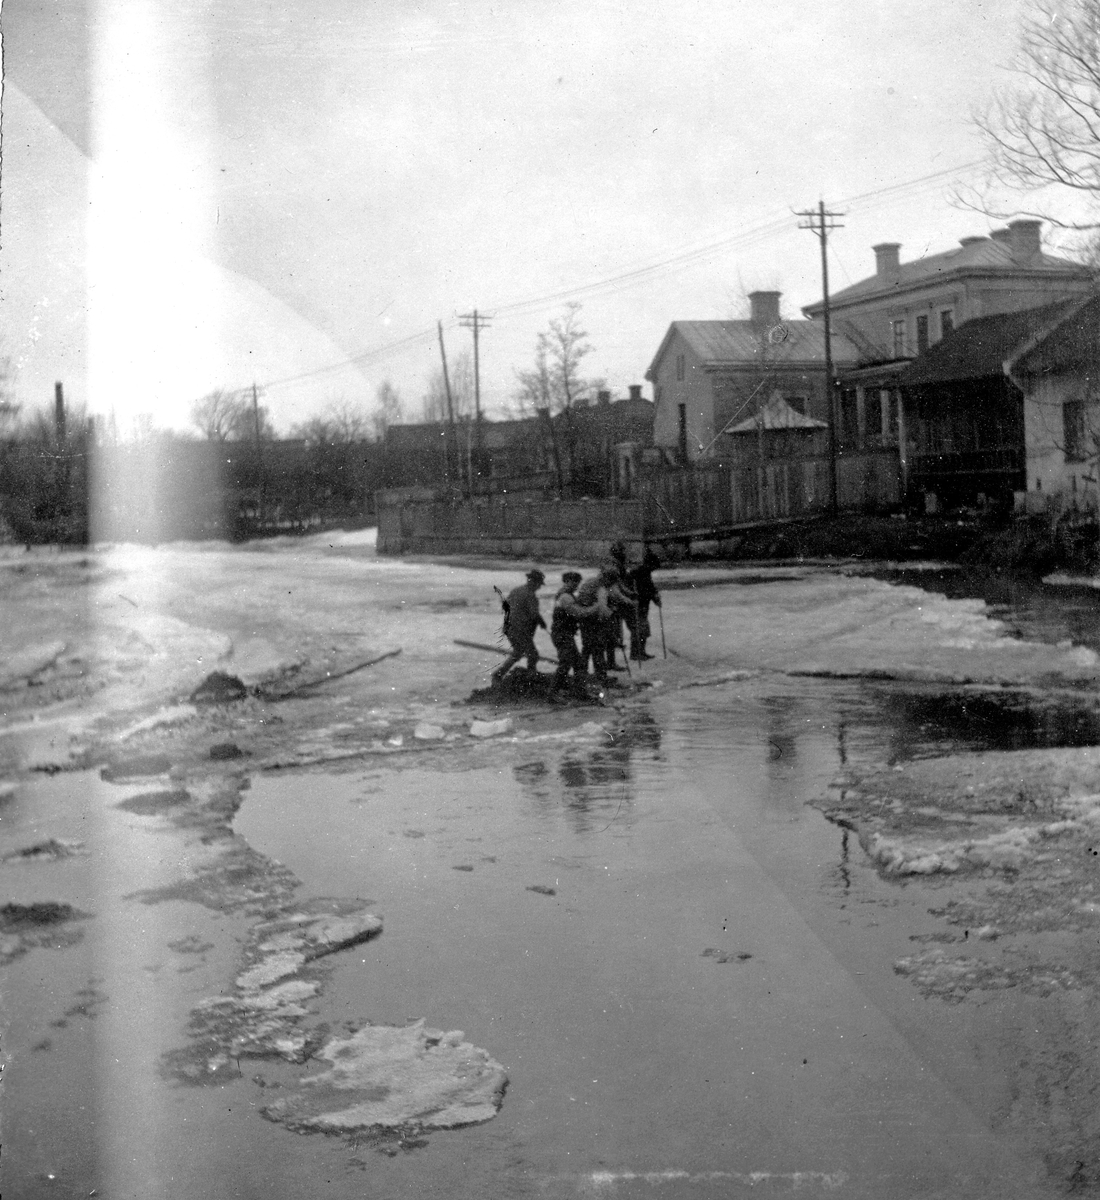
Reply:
x=218, y=192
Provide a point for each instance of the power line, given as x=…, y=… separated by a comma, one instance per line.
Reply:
x=629, y=277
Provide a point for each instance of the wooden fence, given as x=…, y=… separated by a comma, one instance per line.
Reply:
x=683, y=505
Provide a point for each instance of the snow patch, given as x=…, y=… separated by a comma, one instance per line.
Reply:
x=28, y=662
x=487, y=729
x=1005, y=850
x=177, y=714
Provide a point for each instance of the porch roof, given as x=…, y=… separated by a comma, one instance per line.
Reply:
x=980, y=347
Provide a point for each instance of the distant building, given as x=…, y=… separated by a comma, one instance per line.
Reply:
x=904, y=308
x=708, y=376
x=590, y=450
x=963, y=424
x=955, y=439
x=1057, y=370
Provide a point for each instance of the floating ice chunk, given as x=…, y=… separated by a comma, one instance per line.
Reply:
x=485, y=729
x=428, y=733
x=390, y=1078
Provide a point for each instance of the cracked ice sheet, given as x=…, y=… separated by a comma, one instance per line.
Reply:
x=837, y=624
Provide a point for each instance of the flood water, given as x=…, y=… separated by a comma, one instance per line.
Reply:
x=685, y=969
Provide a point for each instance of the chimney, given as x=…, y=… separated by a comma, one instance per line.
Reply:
x=1001, y=235
x=59, y=411
x=1023, y=240
x=765, y=308
x=603, y=397
x=886, y=258
x=635, y=391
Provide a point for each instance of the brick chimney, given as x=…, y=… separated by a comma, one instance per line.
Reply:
x=1023, y=241
x=603, y=397
x=635, y=391
x=765, y=308
x=887, y=258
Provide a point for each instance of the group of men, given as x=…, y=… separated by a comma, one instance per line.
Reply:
x=618, y=596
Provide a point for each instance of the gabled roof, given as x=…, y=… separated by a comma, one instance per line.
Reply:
x=777, y=414
x=746, y=344
x=980, y=347
x=980, y=256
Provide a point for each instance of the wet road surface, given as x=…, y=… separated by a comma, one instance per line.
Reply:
x=685, y=969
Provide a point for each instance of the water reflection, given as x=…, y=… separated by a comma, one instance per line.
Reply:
x=595, y=785
x=918, y=723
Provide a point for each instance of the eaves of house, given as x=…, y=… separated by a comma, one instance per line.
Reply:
x=740, y=345
x=979, y=348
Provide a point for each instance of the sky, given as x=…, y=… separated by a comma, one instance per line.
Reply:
x=231, y=192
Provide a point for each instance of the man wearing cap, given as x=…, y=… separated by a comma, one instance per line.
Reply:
x=521, y=619
x=568, y=613
x=593, y=595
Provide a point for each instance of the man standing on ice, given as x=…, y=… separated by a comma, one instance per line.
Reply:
x=521, y=619
x=568, y=614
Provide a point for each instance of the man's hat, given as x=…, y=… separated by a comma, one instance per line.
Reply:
x=571, y=577
x=536, y=574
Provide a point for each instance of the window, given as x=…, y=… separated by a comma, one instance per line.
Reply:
x=683, y=433
x=947, y=321
x=679, y=368
x=1073, y=430
x=897, y=328
x=922, y=334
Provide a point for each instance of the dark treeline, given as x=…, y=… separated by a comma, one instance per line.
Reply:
x=73, y=488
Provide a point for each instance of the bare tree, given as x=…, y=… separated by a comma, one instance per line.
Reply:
x=533, y=393
x=215, y=413
x=1042, y=133
x=389, y=409
x=554, y=386
x=461, y=374
x=555, y=382
x=222, y=416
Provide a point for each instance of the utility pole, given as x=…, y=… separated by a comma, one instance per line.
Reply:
x=820, y=221
x=451, y=447
x=474, y=321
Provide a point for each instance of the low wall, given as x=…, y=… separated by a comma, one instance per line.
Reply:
x=580, y=529
x=673, y=506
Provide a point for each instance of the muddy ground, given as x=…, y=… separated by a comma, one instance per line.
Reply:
x=196, y=880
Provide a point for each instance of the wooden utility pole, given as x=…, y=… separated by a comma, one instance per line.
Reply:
x=476, y=322
x=59, y=413
x=451, y=447
x=820, y=221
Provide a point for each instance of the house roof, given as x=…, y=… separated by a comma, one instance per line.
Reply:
x=777, y=414
x=1068, y=342
x=979, y=256
x=980, y=347
x=745, y=343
